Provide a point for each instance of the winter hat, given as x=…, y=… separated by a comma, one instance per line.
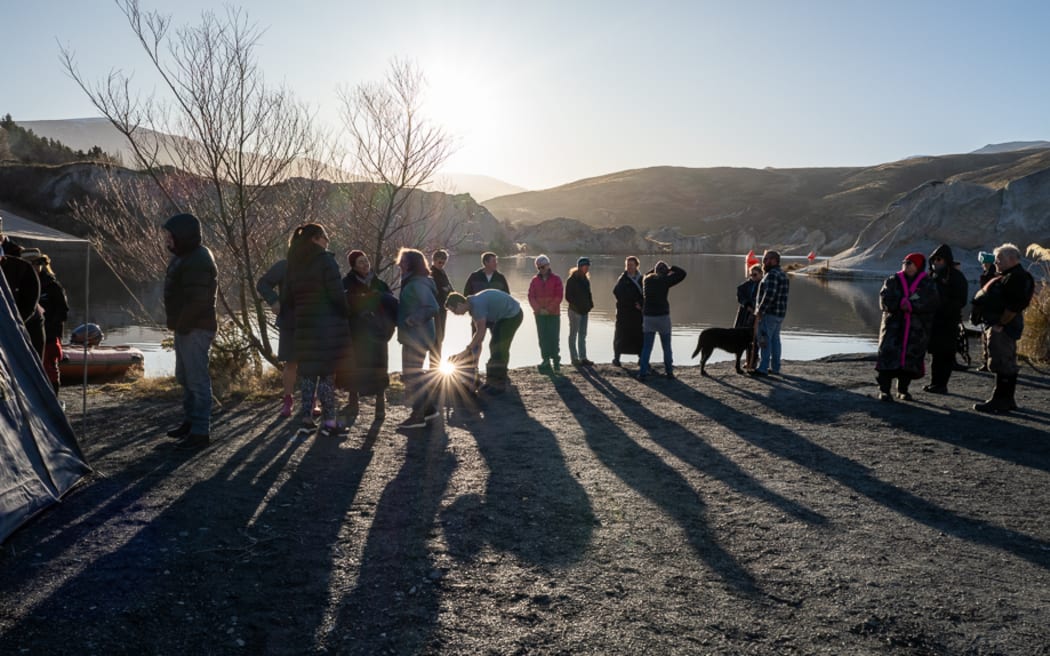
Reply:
x=542, y=260
x=583, y=260
x=918, y=259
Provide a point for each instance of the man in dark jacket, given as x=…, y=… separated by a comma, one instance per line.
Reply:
x=1001, y=303
x=944, y=335
x=444, y=287
x=656, y=315
x=487, y=277
x=189, y=303
x=25, y=287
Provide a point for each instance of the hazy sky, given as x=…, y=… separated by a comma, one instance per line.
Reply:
x=542, y=93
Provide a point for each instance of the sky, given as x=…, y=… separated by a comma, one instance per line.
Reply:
x=547, y=92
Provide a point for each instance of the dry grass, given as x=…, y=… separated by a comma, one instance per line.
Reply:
x=1035, y=341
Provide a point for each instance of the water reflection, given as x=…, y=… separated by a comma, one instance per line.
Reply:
x=824, y=317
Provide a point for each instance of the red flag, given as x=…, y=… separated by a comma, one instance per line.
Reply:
x=750, y=262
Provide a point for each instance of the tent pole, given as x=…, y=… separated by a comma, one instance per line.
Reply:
x=87, y=306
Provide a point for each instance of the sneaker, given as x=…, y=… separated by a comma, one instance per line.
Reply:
x=557, y=367
x=670, y=375
x=642, y=376
x=334, y=430
x=413, y=421
x=884, y=396
x=286, y=406
x=758, y=372
x=586, y=363
x=576, y=363
x=544, y=368
x=616, y=362
x=904, y=396
x=308, y=421
x=935, y=389
x=182, y=431
x=431, y=413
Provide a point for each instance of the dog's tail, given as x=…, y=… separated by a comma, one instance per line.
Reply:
x=697, y=351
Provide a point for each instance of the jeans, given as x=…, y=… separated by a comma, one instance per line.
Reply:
x=648, y=340
x=577, y=336
x=191, y=372
x=769, y=340
x=548, y=329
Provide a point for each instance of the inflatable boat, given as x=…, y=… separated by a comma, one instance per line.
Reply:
x=103, y=362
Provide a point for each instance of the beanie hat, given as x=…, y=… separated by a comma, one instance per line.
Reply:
x=583, y=260
x=541, y=260
x=918, y=259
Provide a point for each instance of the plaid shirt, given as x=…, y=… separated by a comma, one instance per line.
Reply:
x=773, y=293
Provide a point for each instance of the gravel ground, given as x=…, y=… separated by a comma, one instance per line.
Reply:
x=584, y=514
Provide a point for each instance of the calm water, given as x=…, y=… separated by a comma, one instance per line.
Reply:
x=824, y=317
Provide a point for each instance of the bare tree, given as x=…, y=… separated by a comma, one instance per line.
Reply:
x=234, y=142
x=397, y=152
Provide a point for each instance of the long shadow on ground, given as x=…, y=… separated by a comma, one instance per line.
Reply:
x=793, y=447
x=653, y=478
x=206, y=563
x=533, y=506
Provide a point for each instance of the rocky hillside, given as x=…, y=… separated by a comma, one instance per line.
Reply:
x=729, y=210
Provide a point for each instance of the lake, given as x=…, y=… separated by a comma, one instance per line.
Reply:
x=823, y=318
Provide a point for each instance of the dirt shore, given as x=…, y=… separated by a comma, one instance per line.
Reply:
x=584, y=514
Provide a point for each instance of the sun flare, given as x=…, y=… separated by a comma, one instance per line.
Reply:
x=447, y=367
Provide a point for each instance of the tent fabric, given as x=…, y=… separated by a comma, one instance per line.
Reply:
x=40, y=459
x=24, y=229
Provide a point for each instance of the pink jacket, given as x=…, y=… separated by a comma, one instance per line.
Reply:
x=545, y=295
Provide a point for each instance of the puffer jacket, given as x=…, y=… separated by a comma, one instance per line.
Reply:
x=190, y=283
x=953, y=292
x=322, y=333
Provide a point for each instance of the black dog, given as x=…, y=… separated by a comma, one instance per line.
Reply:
x=734, y=340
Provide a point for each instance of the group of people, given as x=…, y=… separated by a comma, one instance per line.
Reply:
x=334, y=330
x=921, y=313
x=39, y=299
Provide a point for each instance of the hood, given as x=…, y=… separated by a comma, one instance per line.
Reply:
x=945, y=251
x=186, y=230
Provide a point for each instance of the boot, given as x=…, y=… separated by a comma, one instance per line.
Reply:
x=902, y=388
x=998, y=404
x=1010, y=383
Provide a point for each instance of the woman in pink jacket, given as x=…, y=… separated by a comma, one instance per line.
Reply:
x=545, y=294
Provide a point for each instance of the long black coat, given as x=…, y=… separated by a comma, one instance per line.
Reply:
x=900, y=337
x=373, y=317
x=319, y=307
x=954, y=293
x=627, y=337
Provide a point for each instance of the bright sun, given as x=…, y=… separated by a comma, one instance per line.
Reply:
x=446, y=367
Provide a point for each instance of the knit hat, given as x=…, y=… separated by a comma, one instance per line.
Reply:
x=583, y=260
x=918, y=259
x=542, y=260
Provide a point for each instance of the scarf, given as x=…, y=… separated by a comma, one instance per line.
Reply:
x=908, y=291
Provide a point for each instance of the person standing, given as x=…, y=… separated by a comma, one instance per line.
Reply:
x=578, y=296
x=190, y=285
x=545, y=294
x=656, y=315
x=21, y=276
x=322, y=333
x=444, y=287
x=416, y=310
x=770, y=307
x=987, y=261
x=908, y=300
x=1001, y=303
x=487, y=277
x=944, y=334
x=746, y=293
x=627, y=335
x=56, y=309
x=269, y=287
x=491, y=310
x=372, y=319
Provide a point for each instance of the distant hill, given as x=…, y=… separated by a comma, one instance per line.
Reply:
x=1011, y=146
x=480, y=187
x=732, y=210
x=83, y=133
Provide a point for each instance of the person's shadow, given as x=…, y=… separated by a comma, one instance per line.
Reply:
x=533, y=506
x=656, y=480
